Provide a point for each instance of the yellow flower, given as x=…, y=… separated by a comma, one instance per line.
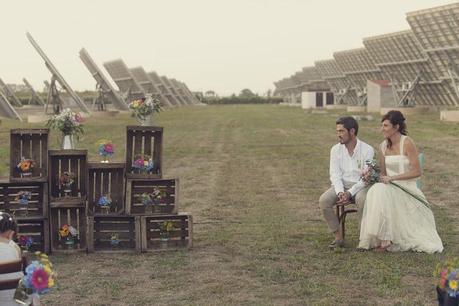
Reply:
x=453, y=284
x=145, y=163
x=50, y=282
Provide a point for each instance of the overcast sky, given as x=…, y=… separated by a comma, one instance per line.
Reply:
x=223, y=46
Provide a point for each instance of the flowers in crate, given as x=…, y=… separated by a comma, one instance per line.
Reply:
x=144, y=163
x=447, y=274
x=166, y=228
x=68, y=122
x=66, y=180
x=105, y=148
x=25, y=242
x=25, y=165
x=39, y=278
x=23, y=197
x=115, y=239
x=154, y=197
x=142, y=108
x=104, y=201
x=68, y=234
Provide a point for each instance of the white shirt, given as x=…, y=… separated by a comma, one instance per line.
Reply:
x=344, y=167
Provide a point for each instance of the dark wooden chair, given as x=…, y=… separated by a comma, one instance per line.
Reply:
x=11, y=267
x=341, y=212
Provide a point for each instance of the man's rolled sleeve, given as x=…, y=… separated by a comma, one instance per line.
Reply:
x=336, y=174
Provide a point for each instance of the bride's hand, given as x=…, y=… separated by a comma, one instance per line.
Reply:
x=385, y=179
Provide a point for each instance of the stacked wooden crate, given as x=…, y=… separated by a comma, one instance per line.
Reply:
x=56, y=206
x=25, y=194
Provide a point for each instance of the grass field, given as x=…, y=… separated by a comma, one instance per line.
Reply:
x=251, y=176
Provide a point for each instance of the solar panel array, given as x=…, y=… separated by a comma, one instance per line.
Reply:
x=124, y=79
x=163, y=88
x=422, y=61
x=143, y=79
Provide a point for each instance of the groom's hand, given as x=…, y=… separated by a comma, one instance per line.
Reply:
x=344, y=197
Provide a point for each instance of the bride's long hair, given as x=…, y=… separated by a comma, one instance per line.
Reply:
x=395, y=117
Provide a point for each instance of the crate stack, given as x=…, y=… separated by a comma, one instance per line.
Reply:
x=53, y=204
x=25, y=194
x=142, y=141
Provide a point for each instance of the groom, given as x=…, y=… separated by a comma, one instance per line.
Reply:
x=347, y=159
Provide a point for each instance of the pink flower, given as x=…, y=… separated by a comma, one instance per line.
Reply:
x=40, y=279
x=108, y=148
x=78, y=118
x=139, y=162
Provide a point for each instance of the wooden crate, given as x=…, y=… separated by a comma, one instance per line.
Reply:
x=29, y=144
x=74, y=216
x=73, y=161
x=181, y=237
x=38, y=230
x=37, y=206
x=102, y=228
x=105, y=179
x=144, y=140
x=167, y=205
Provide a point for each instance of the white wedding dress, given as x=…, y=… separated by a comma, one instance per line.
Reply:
x=392, y=214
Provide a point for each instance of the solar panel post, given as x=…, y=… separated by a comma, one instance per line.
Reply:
x=56, y=76
x=35, y=97
x=9, y=94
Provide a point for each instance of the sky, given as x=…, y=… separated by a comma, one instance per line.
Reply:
x=224, y=46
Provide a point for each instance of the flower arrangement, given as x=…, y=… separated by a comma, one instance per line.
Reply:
x=66, y=181
x=142, y=108
x=165, y=229
x=23, y=197
x=105, y=203
x=143, y=163
x=39, y=278
x=68, y=235
x=25, y=242
x=25, y=166
x=155, y=197
x=105, y=149
x=447, y=274
x=68, y=122
x=115, y=240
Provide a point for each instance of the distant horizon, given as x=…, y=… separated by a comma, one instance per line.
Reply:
x=222, y=46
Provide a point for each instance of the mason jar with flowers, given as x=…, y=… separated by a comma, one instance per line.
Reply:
x=69, y=124
x=143, y=109
x=105, y=149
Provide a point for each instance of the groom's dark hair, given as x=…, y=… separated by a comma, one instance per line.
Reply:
x=349, y=123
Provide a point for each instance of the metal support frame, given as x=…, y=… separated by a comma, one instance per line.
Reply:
x=9, y=94
x=99, y=101
x=35, y=97
x=453, y=73
x=54, y=98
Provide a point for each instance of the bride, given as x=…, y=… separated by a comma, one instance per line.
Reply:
x=394, y=220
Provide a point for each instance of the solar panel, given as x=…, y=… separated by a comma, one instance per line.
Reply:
x=337, y=81
x=9, y=94
x=171, y=88
x=108, y=91
x=437, y=30
x=6, y=109
x=35, y=99
x=403, y=61
x=180, y=91
x=123, y=78
x=144, y=80
x=163, y=88
x=358, y=67
x=58, y=77
x=193, y=99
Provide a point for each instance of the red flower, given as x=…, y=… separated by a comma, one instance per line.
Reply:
x=40, y=279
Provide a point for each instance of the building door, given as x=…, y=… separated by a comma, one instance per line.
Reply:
x=319, y=99
x=330, y=98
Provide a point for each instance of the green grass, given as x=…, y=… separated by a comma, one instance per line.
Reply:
x=251, y=176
